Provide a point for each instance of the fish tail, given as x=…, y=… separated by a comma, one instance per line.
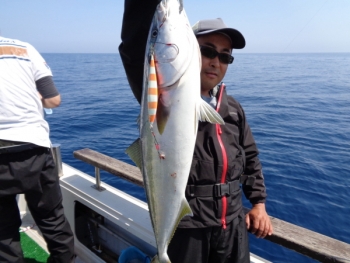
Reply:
x=152, y=91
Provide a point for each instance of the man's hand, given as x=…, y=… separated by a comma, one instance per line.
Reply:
x=258, y=222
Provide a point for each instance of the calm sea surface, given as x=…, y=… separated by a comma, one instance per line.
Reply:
x=298, y=106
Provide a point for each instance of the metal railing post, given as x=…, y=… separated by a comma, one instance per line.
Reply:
x=98, y=186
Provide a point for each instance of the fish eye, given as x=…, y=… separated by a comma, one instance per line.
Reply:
x=154, y=33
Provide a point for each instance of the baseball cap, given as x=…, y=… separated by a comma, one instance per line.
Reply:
x=203, y=27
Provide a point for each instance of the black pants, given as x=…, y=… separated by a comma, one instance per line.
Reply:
x=33, y=173
x=212, y=244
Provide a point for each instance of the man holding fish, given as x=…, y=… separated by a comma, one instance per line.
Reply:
x=225, y=155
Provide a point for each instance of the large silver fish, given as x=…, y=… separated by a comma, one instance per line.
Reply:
x=170, y=110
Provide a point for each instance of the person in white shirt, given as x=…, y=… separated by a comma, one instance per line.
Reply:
x=26, y=162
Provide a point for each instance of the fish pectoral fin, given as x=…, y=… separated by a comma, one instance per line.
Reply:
x=205, y=112
x=134, y=152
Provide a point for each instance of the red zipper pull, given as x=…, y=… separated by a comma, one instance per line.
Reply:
x=223, y=221
x=219, y=128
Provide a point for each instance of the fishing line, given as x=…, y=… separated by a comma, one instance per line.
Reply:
x=305, y=25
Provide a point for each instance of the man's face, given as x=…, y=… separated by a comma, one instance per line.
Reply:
x=213, y=71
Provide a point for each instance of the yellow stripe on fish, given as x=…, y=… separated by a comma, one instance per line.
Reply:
x=152, y=92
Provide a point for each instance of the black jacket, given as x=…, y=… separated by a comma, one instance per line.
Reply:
x=222, y=153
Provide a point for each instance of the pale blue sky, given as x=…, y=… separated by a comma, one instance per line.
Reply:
x=91, y=26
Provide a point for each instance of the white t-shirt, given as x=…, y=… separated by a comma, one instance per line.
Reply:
x=21, y=111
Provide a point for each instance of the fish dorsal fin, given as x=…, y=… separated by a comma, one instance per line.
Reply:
x=134, y=152
x=205, y=112
x=152, y=92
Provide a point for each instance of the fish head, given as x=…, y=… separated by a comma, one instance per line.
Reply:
x=171, y=41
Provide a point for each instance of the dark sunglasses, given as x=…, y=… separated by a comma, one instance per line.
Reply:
x=211, y=53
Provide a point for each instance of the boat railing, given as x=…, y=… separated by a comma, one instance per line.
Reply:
x=301, y=240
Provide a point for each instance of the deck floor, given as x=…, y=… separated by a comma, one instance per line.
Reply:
x=34, y=233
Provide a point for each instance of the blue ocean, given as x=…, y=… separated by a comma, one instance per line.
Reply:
x=298, y=107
